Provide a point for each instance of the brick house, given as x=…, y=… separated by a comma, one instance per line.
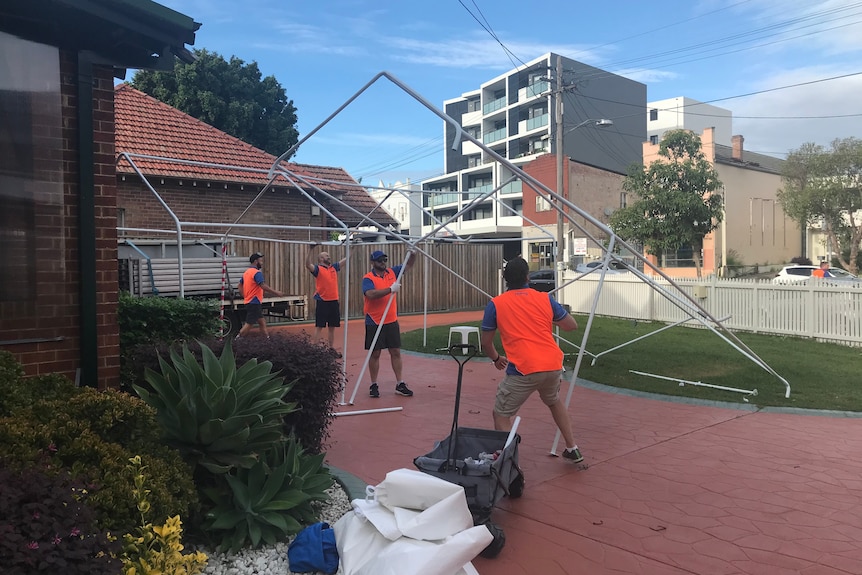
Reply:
x=595, y=190
x=58, y=186
x=217, y=193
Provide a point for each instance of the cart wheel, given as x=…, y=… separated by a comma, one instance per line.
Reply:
x=494, y=547
x=516, y=488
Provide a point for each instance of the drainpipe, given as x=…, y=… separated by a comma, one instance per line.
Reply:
x=89, y=349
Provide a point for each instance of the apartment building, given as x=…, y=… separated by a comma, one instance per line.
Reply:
x=687, y=114
x=513, y=115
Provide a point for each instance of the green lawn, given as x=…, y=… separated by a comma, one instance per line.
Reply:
x=821, y=375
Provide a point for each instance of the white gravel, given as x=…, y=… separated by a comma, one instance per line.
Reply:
x=272, y=559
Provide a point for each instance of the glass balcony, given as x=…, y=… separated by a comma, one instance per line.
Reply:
x=536, y=89
x=493, y=106
x=494, y=136
x=537, y=122
x=512, y=188
x=440, y=199
x=477, y=191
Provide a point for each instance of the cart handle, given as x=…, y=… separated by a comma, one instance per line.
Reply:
x=468, y=351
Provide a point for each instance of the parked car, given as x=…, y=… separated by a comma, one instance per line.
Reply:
x=613, y=267
x=543, y=280
x=797, y=274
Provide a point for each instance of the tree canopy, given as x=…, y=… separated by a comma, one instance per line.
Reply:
x=675, y=202
x=825, y=185
x=229, y=95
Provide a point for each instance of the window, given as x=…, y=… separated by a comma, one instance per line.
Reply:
x=474, y=131
x=681, y=258
x=653, y=140
x=536, y=112
x=541, y=255
x=542, y=205
x=653, y=115
x=474, y=160
x=623, y=200
x=474, y=105
x=31, y=168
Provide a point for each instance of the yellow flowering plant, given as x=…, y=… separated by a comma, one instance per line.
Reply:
x=154, y=549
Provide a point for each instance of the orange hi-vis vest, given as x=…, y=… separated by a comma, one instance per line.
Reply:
x=374, y=307
x=525, y=320
x=326, y=283
x=251, y=290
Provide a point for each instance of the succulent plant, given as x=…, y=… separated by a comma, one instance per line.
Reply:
x=270, y=500
x=219, y=416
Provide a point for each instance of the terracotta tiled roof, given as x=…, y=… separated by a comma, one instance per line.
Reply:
x=149, y=127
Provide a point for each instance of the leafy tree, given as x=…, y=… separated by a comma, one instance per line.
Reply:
x=228, y=95
x=676, y=205
x=825, y=185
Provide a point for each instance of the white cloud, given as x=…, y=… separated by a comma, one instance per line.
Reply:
x=832, y=98
x=646, y=75
x=476, y=52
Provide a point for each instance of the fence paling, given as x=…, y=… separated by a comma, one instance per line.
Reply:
x=815, y=310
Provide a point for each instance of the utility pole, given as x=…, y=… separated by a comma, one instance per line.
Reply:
x=561, y=191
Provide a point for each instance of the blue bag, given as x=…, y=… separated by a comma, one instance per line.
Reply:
x=313, y=549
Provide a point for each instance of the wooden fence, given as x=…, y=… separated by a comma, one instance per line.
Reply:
x=816, y=310
x=479, y=264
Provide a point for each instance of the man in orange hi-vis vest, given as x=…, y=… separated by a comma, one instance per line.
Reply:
x=379, y=286
x=533, y=361
x=327, y=312
x=823, y=271
x=252, y=287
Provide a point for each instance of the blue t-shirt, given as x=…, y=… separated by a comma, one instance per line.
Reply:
x=489, y=322
x=367, y=284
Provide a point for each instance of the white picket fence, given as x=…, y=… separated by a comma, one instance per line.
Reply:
x=816, y=310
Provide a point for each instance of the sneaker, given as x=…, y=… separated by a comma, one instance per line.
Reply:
x=573, y=455
x=402, y=389
x=373, y=391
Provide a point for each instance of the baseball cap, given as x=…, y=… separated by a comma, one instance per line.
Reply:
x=254, y=256
x=377, y=254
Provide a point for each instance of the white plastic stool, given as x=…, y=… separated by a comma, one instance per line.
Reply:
x=465, y=331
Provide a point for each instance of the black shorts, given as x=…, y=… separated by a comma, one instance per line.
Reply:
x=327, y=313
x=390, y=336
x=253, y=312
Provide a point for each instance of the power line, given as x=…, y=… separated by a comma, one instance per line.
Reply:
x=726, y=97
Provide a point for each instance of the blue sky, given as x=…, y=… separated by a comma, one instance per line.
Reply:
x=324, y=52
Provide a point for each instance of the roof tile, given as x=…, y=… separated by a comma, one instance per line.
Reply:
x=145, y=126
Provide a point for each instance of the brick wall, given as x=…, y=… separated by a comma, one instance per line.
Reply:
x=203, y=202
x=593, y=190
x=56, y=315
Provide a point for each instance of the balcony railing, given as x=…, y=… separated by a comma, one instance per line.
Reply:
x=537, y=122
x=494, y=136
x=478, y=191
x=512, y=188
x=494, y=105
x=537, y=89
x=440, y=199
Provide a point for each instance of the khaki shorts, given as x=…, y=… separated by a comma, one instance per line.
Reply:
x=514, y=390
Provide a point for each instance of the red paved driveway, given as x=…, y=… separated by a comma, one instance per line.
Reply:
x=668, y=488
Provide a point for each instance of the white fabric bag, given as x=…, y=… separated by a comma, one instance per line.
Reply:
x=410, y=524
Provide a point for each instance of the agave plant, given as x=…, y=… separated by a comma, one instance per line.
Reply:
x=268, y=501
x=218, y=416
